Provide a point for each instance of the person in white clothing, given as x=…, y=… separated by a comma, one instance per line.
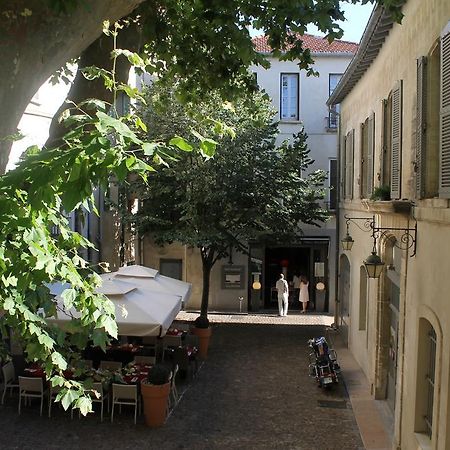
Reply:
x=304, y=294
x=283, y=295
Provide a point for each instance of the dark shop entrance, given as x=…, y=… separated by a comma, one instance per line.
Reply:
x=267, y=262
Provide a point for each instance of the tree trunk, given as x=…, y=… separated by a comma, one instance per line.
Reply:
x=97, y=54
x=35, y=41
x=207, y=264
x=205, y=293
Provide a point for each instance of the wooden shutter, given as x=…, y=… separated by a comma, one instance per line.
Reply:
x=444, y=176
x=342, y=166
x=370, y=153
x=396, y=141
x=349, y=164
x=363, y=156
x=421, y=118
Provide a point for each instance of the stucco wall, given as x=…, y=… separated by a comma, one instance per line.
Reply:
x=424, y=280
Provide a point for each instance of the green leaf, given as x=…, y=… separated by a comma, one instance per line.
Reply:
x=68, y=398
x=84, y=404
x=108, y=324
x=138, y=122
x=149, y=148
x=69, y=296
x=107, y=122
x=59, y=361
x=208, y=147
x=181, y=143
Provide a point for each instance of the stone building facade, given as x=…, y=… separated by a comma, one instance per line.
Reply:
x=394, y=164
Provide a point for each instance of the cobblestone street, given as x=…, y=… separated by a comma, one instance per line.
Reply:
x=253, y=392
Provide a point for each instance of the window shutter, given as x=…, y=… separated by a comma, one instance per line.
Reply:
x=370, y=153
x=363, y=155
x=349, y=164
x=396, y=141
x=421, y=118
x=444, y=177
x=342, y=175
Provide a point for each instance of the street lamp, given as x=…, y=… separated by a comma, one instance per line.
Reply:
x=347, y=241
x=373, y=264
x=256, y=283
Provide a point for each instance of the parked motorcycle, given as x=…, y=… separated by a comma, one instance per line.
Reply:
x=323, y=362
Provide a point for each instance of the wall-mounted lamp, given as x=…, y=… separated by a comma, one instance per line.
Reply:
x=373, y=263
x=256, y=283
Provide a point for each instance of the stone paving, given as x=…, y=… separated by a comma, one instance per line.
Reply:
x=253, y=392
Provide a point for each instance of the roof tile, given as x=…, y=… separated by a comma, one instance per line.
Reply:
x=315, y=44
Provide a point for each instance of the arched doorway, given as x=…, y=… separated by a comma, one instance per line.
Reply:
x=344, y=296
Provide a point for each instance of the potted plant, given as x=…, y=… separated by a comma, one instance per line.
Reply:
x=381, y=193
x=203, y=331
x=155, y=394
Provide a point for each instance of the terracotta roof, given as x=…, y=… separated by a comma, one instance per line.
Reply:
x=315, y=43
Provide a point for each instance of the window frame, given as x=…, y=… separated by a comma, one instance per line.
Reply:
x=333, y=110
x=297, y=102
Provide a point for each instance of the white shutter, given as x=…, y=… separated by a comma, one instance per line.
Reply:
x=421, y=118
x=444, y=176
x=289, y=96
x=396, y=141
x=370, y=153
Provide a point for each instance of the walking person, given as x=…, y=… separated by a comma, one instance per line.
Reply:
x=283, y=295
x=304, y=294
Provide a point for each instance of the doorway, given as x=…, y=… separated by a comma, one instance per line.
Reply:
x=291, y=261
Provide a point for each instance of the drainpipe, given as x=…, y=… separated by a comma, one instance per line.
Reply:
x=337, y=300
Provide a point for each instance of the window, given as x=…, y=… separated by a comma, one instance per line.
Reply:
x=429, y=380
x=333, y=114
x=348, y=173
x=333, y=184
x=426, y=377
x=367, y=150
x=289, y=96
x=171, y=268
x=362, y=298
x=444, y=176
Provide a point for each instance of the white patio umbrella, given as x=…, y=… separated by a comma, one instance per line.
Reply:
x=148, y=278
x=140, y=311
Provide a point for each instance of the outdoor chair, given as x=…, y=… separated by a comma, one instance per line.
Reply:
x=52, y=393
x=110, y=365
x=151, y=343
x=170, y=342
x=85, y=364
x=9, y=379
x=192, y=340
x=185, y=364
x=98, y=387
x=140, y=359
x=124, y=394
x=173, y=396
x=30, y=387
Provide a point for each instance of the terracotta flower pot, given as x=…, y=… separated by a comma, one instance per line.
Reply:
x=204, y=334
x=155, y=397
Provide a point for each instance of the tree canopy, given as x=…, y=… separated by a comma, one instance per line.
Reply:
x=250, y=190
x=206, y=42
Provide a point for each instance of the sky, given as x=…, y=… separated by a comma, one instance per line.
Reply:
x=357, y=18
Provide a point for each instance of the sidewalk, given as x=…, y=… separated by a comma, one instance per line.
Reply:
x=374, y=432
